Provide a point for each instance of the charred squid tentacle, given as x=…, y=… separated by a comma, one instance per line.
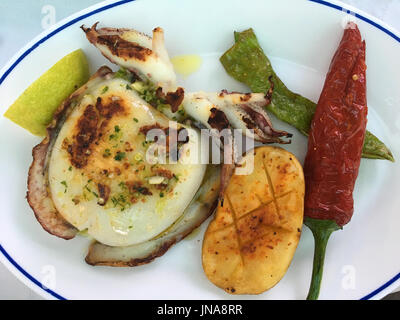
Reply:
x=258, y=114
x=243, y=111
x=219, y=122
x=261, y=124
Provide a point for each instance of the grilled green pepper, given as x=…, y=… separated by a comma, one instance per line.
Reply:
x=247, y=63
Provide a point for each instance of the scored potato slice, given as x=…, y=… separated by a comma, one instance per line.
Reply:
x=249, y=245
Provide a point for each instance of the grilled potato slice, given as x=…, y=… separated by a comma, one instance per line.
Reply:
x=249, y=245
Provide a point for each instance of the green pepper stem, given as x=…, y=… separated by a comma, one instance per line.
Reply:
x=322, y=230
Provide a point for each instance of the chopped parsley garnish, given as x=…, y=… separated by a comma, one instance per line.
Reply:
x=119, y=156
x=70, y=169
x=117, y=134
x=147, y=91
x=64, y=183
x=107, y=153
x=105, y=89
x=136, y=120
x=88, y=192
x=120, y=201
x=128, y=87
x=124, y=74
x=122, y=185
x=114, y=201
x=161, y=194
x=146, y=143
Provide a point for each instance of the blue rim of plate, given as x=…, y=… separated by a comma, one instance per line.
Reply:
x=121, y=2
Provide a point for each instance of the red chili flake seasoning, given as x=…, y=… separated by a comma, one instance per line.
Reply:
x=335, y=146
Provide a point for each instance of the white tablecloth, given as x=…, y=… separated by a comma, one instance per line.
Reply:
x=39, y=14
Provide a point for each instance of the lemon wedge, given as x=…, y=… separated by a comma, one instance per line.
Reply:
x=34, y=108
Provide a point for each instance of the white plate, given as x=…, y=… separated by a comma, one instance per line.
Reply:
x=362, y=261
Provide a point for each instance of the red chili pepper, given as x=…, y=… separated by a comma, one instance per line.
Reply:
x=335, y=146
